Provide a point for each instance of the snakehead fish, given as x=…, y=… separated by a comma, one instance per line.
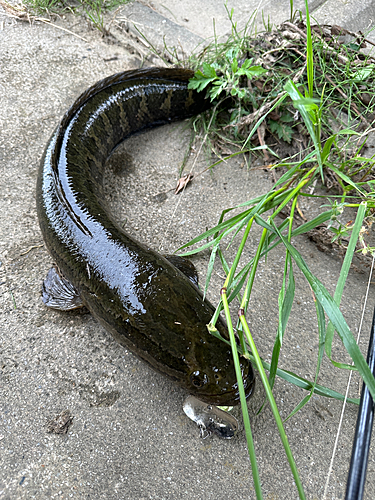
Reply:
x=150, y=304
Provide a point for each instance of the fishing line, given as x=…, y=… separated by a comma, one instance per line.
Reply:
x=347, y=387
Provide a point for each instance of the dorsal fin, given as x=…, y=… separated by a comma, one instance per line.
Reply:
x=185, y=266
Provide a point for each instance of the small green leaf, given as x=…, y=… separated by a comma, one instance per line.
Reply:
x=361, y=75
x=215, y=91
x=201, y=79
x=354, y=46
x=209, y=71
x=308, y=103
x=282, y=130
x=251, y=72
x=327, y=147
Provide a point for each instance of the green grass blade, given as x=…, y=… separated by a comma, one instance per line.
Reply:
x=348, y=180
x=273, y=405
x=313, y=223
x=210, y=268
x=230, y=223
x=327, y=147
x=301, y=382
x=249, y=285
x=285, y=302
x=224, y=263
x=286, y=298
x=300, y=405
x=295, y=95
x=223, y=225
x=322, y=333
x=262, y=118
x=344, y=272
x=309, y=55
x=239, y=253
x=238, y=281
x=291, y=377
x=245, y=412
x=265, y=203
x=336, y=317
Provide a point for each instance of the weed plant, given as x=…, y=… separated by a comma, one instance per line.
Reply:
x=295, y=82
x=93, y=9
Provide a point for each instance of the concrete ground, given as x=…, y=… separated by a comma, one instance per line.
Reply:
x=130, y=438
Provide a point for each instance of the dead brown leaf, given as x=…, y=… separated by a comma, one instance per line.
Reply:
x=183, y=182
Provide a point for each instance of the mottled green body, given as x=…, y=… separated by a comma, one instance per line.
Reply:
x=148, y=304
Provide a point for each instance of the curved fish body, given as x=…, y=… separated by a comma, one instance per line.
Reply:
x=149, y=305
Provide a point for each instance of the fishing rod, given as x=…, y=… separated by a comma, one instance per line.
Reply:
x=361, y=444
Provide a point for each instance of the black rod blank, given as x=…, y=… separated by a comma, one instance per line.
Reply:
x=362, y=438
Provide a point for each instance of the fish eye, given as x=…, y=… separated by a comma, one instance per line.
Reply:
x=198, y=379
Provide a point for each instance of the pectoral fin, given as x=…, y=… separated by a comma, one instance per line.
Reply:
x=59, y=293
x=185, y=266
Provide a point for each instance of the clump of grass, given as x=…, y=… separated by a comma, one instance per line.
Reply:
x=313, y=88
x=93, y=9
x=39, y=7
x=341, y=88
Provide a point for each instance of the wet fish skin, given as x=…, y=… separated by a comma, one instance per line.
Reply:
x=145, y=301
